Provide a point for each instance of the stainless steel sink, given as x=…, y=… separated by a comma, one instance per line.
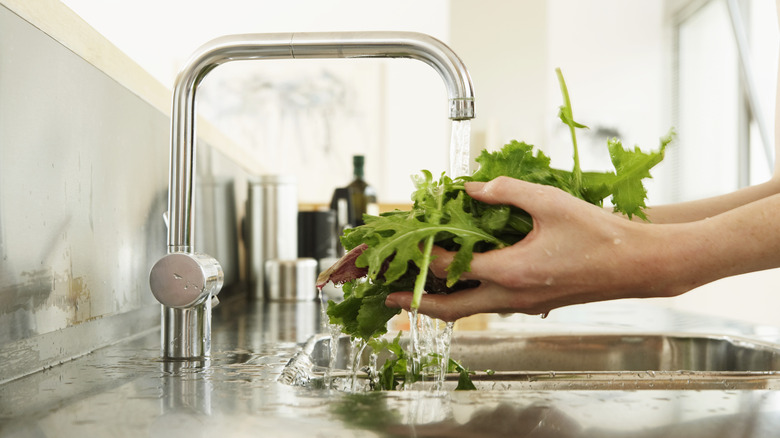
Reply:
x=583, y=361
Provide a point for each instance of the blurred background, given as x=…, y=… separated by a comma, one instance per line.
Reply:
x=634, y=69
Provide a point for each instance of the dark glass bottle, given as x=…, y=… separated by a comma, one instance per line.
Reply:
x=362, y=194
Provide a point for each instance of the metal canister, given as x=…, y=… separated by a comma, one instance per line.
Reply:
x=271, y=226
x=291, y=280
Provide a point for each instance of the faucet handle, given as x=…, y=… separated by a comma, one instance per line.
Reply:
x=182, y=280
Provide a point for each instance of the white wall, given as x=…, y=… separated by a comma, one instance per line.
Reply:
x=394, y=111
x=505, y=45
x=614, y=54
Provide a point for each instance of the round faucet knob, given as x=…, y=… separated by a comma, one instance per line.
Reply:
x=182, y=280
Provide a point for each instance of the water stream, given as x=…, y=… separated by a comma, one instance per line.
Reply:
x=460, y=148
x=429, y=336
x=334, y=330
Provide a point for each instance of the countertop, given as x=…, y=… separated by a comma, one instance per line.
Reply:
x=127, y=390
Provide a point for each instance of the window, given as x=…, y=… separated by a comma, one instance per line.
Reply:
x=724, y=96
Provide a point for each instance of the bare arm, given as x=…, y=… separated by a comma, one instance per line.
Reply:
x=579, y=253
x=701, y=209
x=709, y=207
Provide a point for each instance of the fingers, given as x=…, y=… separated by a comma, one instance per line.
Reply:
x=501, y=190
x=436, y=306
x=533, y=198
x=453, y=306
x=442, y=259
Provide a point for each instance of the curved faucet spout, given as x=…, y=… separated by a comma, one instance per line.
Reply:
x=324, y=45
x=280, y=46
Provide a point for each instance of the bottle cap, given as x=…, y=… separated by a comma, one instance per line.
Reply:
x=357, y=162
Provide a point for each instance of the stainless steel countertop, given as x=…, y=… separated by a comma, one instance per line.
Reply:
x=126, y=390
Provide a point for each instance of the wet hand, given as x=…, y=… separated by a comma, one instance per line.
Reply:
x=576, y=253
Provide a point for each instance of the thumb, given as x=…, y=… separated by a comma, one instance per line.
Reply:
x=531, y=197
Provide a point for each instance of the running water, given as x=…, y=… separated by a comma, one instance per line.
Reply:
x=373, y=377
x=429, y=336
x=415, y=353
x=334, y=330
x=443, y=344
x=460, y=148
x=356, y=353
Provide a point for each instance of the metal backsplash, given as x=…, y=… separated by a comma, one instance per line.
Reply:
x=83, y=186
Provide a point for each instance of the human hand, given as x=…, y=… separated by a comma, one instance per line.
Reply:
x=576, y=253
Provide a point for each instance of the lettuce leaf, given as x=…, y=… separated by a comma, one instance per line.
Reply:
x=442, y=214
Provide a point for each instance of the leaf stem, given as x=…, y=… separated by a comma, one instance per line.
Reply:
x=569, y=120
x=419, y=282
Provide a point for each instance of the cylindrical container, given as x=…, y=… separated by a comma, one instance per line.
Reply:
x=317, y=235
x=271, y=226
x=291, y=280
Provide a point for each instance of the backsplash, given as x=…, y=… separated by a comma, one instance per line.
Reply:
x=83, y=187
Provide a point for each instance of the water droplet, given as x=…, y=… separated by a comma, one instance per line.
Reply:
x=177, y=276
x=545, y=314
x=549, y=281
x=616, y=241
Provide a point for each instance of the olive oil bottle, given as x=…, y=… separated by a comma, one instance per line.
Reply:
x=362, y=195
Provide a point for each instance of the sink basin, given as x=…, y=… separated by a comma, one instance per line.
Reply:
x=582, y=361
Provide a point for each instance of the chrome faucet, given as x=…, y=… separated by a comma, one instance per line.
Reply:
x=187, y=283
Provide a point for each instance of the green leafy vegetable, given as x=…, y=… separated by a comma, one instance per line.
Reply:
x=464, y=376
x=399, y=243
x=395, y=368
x=388, y=376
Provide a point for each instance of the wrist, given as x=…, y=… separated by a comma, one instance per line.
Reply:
x=672, y=260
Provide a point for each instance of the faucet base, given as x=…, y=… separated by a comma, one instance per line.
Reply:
x=186, y=333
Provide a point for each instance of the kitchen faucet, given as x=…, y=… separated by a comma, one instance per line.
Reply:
x=186, y=283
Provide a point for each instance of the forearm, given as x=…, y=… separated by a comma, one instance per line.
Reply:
x=578, y=253
x=709, y=207
x=738, y=241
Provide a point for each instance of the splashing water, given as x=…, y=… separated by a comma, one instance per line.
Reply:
x=415, y=352
x=335, y=332
x=372, y=370
x=429, y=336
x=443, y=344
x=356, y=352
